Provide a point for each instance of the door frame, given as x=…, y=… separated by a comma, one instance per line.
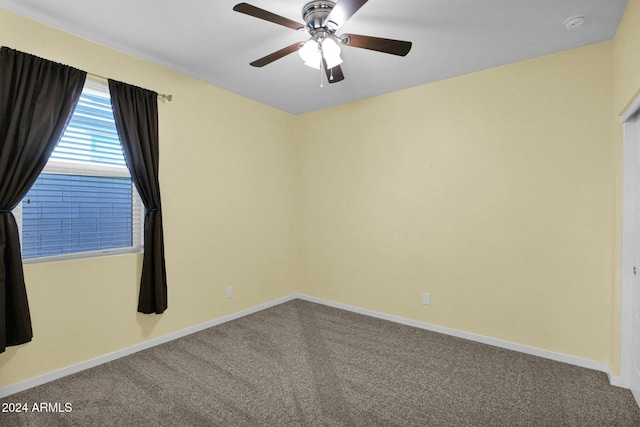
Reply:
x=630, y=151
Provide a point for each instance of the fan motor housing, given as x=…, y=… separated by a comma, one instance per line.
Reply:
x=314, y=13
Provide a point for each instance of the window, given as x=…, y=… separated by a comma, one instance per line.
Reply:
x=84, y=203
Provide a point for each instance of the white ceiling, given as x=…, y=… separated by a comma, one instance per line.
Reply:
x=208, y=40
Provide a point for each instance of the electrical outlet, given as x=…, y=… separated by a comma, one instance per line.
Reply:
x=426, y=299
x=229, y=292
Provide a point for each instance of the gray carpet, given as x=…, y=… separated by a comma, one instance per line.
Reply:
x=304, y=364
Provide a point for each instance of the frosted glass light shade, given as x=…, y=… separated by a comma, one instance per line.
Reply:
x=331, y=52
x=310, y=54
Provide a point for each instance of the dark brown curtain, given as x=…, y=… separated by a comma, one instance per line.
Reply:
x=136, y=115
x=37, y=99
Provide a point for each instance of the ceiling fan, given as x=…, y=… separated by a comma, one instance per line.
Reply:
x=322, y=51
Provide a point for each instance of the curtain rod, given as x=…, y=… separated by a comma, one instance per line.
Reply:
x=98, y=76
x=160, y=95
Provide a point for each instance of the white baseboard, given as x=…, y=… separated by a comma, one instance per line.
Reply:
x=534, y=351
x=51, y=376
x=617, y=381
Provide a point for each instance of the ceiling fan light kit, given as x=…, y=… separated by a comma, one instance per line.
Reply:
x=318, y=48
x=322, y=19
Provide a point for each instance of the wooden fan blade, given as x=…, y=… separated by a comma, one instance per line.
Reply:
x=394, y=47
x=276, y=55
x=342, y=11
x=256, y=12
x=334, y=75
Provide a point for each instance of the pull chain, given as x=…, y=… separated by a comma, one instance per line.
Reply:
x=321, y=61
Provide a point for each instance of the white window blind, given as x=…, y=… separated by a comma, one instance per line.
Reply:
x=84, y=201
x=91, y=136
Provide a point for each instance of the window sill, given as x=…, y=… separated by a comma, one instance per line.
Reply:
x=83, y=255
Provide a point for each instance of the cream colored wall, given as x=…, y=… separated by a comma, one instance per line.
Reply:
x=493, y=191
x=626, y=59
x=626, y=86
x=228, y=192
